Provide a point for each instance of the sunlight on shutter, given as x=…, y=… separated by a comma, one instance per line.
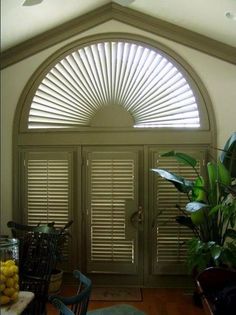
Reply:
x=112, y=182
x=138, y=78
x=48, y=190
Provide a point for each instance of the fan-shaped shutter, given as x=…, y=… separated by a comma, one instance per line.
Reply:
x=48, y=189
x=140, y=79
x=169, y=250
x=112, y=193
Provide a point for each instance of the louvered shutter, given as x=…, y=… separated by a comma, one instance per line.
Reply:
x=48, y=189
x=112, y=197
x=140, y=79
x=169, y=243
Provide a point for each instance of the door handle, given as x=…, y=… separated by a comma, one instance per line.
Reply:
x=137, y=216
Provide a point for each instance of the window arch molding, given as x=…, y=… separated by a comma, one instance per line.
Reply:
x=206, y=114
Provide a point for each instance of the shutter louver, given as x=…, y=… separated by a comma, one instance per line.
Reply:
x=171, y=237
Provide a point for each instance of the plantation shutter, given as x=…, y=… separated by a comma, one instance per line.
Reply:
x=112, y=198
x=48, y=189
x=169, y=250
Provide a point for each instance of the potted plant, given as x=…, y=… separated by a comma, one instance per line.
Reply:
x=211, y=210
x=57, y=273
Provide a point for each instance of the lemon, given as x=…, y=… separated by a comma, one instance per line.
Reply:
x=9, y=291
x=8, y=271
x=9, y=262
x=16, y=278
x=2, y=278
x=10, y=282
x=15, y=268
x=2, y=287
x=4, y=299
x=14, y=296
x=17, y=287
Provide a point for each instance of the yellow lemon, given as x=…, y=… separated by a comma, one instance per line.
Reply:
x=16, y=287
x=4, y=299
x=9, y=262
x=14, y=296
x=16, y=278
x=15, y=268
x=2, y=278
x=2, y=287
x=9, y=291
x=8, y=271
x=10, y=282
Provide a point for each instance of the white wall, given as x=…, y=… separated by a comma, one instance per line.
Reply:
x=218, y=76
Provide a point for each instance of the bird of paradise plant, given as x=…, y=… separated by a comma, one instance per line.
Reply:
x=211, y=210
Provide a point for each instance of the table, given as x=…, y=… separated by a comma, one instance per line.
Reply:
x=25, y=297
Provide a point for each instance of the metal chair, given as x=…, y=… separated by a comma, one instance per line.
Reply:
x=78, y=303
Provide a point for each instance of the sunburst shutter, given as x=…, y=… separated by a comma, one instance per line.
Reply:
x=112, y=189
x=48, y=189
x=142, y=80
x=169, y=250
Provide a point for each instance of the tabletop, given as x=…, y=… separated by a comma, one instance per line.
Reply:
x=25, y=297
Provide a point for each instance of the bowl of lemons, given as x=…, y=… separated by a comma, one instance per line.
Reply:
x=9, y=271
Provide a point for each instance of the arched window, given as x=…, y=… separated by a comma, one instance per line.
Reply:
x=139, y=85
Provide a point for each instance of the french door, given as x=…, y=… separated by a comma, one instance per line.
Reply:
x=126, y=234
x=114, y=211
x=124, y=216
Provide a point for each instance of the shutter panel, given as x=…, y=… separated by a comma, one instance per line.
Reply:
x=112, y=190
x=170, y=237
x=48, y=189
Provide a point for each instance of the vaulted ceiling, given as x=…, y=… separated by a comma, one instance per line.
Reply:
x=21, y=23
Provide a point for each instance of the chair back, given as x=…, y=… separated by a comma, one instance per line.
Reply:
x=37, y=259
x=79, y=302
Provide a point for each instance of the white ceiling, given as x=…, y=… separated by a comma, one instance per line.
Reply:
x=207, y=17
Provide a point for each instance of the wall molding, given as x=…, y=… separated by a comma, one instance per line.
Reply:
x=113, y=11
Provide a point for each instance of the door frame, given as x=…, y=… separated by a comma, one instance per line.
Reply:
x=108, y=278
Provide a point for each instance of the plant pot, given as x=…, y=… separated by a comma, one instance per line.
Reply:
x=55, y=281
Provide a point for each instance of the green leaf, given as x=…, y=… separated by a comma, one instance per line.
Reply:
x=216, y=251
x=228, y=156
x=198, y=193
x=182, y=158
x=195, y=206
x=179, y=182
x=198, y=217
x=215, y=209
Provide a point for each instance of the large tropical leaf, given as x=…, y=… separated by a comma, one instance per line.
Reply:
x=182, y=184
x=199, y=193
x=182, y=158
x=216, y=251
x=228, y=155
x=195, y=206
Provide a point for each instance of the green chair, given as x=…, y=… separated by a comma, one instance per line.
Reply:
x=119, y=309
x=78, y=303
